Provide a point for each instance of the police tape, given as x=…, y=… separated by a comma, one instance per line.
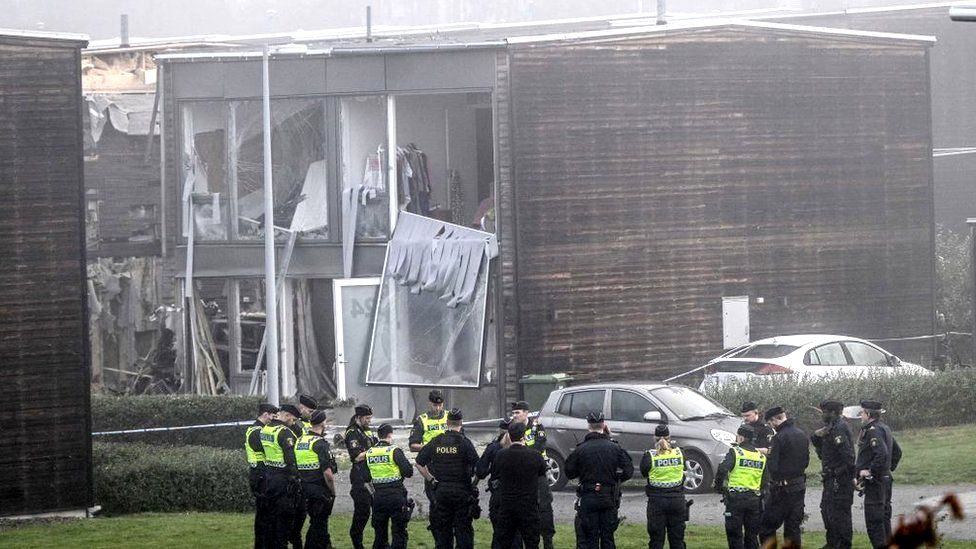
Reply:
x=204, y=426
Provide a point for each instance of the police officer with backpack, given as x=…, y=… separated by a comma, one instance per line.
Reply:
x=317, y=468
x=740, y=479
x=667, y=511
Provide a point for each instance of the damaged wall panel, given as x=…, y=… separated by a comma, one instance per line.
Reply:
x=44, y=398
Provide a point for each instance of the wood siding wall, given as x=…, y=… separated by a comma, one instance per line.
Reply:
x=44, y=394
x=654, y=176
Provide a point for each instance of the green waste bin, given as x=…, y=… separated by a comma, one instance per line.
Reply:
x=536, y=387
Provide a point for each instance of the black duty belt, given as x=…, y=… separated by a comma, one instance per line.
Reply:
x=795, y=481
x=597, y=487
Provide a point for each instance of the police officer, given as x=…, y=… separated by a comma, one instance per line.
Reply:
x=359, y=439
x=834, y=444
x=426, y=427
x=282, y=486
x=447, y=462
x=256, y=475
x=518, y=469
x=664, y=468
x=482, y=470
x=740, y=478
x=787, y=463
x=764, y=435
x=316, y=468
x=535, y=438
x=878, y=455
x=601, y=465
x=307, y=405
x=386, y=467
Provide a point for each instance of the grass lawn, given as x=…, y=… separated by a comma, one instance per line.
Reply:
x=234, y=530
x=953, y=449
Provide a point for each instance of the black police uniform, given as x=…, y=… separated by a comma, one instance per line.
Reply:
x=358, y=441
x=743, y=510
x=764, y=434
x=391, y=509
x=256, y=479
x=547, y=523
x=601, y=466
x=295, y=535
x=786, y=464
x=518, y=470
x=879, y=453
x=835, y=447
x=282, y=489
x=667, y=510
x=416, y=436
x=483, y=470
x=319, y=498
x=451, y=459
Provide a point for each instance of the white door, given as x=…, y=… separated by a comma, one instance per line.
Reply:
x=735, y=321
x=354, y=306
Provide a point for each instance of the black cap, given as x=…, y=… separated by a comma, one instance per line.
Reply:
x=266, y=408
x=384, y=430
x=520, y=405
x=831, y=406
x=746, y=431
x=516, y=431
x=291, y=409
x=308, y=401
x=773, y=412
x=363, y=410
x=504, y=423
x=748, y=406
x=455, y=414
x=594, y=417
x=872, y=405
x=662, y=430
x=318, y=416
x=436, y=396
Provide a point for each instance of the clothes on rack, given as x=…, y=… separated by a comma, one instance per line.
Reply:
x=413, y=180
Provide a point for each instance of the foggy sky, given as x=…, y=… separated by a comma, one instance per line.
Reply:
x=162, y=18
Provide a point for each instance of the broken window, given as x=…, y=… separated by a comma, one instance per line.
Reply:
x=431, y=310
x=204, y=196
x=299, y=167
x=365, y=179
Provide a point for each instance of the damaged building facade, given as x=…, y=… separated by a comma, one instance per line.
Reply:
x=466, y=208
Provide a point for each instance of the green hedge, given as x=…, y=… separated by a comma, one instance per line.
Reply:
x=136, y=478
x=943, y=399
x=114, y=413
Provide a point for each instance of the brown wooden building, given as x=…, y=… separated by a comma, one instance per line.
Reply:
x=637, y=178
x=44, y=396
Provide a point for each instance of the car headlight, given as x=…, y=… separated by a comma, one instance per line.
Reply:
x=724, y=437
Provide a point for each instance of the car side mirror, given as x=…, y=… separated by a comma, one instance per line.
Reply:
x=894, y=361
x=654, y=417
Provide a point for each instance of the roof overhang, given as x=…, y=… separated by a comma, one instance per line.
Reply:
x=54, y=38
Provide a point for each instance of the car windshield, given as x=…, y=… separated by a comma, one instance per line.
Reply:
x=766, y=350
x=687, y=403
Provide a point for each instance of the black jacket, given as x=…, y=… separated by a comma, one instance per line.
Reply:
x=789, y=454
x=451, y=458
x=834, y=444
x=599, y=460
x=877, y=449
x=764, y=434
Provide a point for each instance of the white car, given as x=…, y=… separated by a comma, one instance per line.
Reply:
x=805, y=355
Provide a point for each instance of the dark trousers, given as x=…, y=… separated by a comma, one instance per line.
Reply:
x=318, y=505
x=281, y=495
x=597, y=515
x=835, y=509
x=666, y=516
x=263, y=523
x=298, y=522
x=361, y=503
x=547, y=525
x=517, y=520
x=390, y=518
x=429, y=492
x=743, y=518
x=784, y=508
x=877, y=510
x=450, y=516
x=497, y=524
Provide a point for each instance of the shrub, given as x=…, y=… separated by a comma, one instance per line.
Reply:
x=114, y=413
x=943, y=399
x=136, y=478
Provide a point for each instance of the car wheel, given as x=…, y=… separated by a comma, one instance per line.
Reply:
x=557, y=471
x=698, y=473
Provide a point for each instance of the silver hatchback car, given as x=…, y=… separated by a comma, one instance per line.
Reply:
x=703, y=428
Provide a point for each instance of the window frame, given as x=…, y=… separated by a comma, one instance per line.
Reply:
x=654, y=406
x=847, y=356
x=569, y=395
x=850, y=354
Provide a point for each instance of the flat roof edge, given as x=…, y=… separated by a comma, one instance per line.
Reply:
x=44, y=35
x=332, y=51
